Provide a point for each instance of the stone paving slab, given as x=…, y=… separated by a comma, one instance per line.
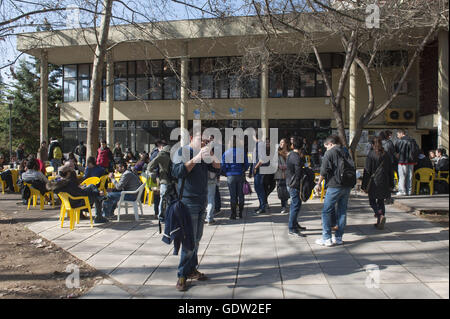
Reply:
x=254, y=257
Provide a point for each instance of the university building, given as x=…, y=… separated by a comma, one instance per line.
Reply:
x=146, y=98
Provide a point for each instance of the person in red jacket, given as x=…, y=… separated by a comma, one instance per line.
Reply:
x=104, y=156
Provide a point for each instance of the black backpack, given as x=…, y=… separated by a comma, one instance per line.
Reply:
x=414, y=151
x=345, y=171
x=306, y=183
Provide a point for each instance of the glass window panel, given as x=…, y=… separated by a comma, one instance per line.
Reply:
x=70, y=71
x=338, y=60
x=83, y=71
x=251, y=85
x=221, y=88
x=275, y=85
x=142, y=68
x=292, y=83
x=156, y=88
x=170, y=88
x=207, y=86
x=70, y=90
x=131, y=89
x=206, y=65
x=131, y=67
x=83, y=90
x=235, y=87
x=194, y=66
x=156, y=66
x=104, y=90
x=195, y=85
x=308, y=83
x=120, y=69
x=120, y=89
x=142, y=88
x=321, y=87
x=326, y=60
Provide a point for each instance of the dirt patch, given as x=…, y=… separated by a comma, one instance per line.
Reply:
x=440, y=217
x=33, y=267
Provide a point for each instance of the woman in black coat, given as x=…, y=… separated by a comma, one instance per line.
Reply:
x=378, y=180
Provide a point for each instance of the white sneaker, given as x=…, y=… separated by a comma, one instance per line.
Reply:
x=337, y=240
x=326, y=243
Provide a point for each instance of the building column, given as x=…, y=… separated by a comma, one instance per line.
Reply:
x=184, y=88
x=264, y=97
x=443, y=90
x=110, y=100
x=44, y=97
x=352, y=102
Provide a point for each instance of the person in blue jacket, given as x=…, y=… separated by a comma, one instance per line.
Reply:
x=234, y=165
x=192, y=173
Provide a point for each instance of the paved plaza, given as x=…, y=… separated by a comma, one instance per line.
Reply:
x=256, y=258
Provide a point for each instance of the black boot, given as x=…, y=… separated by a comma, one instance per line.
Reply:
x=241, y=209
x=233, y=212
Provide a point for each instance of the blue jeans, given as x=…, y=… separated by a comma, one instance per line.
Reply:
x=55, y=163
x=110, y=204
x=189, y=259
x=218, y=204
x=296, y=204
x=162, y=192
x=210, y=208
x=94, y=198
x=259, y=189
x=235, y=184
x=339, y=196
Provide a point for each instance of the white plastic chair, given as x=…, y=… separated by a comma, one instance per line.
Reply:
x=135, y=203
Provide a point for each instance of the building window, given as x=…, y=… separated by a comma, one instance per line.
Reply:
x=77, y=82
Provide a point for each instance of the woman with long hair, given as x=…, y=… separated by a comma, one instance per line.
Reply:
x=378, y=179
x=280, y=175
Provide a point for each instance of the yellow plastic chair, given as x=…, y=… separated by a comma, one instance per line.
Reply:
x=49, y=170
x=147, y=191
x=424, y=175
x=34, y=193
x=91, y=181
x=15, y=177
x=3, y=185
x=74, y=213
x=103, y=183
x=323, y=191
x=440, y=176
x=396, y=179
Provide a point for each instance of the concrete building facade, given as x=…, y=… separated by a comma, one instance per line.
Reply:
x=191, y=71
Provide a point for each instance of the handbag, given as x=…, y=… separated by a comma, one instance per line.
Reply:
x=282, y=191
x=246, y=188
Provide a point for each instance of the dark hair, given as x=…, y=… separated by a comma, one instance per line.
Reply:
x=71, y=156
x=333, y=139
x=382, y=135
x=91, y=160
x=32, y=164
x=103, y=142
x=388, y=133
x=297, y=144
x=443, y=151
x=378, y=145
x=401, y=130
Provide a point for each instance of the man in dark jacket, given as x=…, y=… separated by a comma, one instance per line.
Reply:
x=20, y=152
x=337, y=193
x=80, y=150
x=293, y=176
x=192, y=172
x=68, y=183
x=162, y=163
x=403, y=149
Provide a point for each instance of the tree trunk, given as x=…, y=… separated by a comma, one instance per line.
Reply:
x=97, y=79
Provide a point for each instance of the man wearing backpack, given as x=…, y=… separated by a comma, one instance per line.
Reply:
x=407, y=152
x=339, y=173
x=192, y=175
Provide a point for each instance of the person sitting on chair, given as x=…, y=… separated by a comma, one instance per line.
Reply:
x=128, y=182
x=68, y=183
x=92, y=169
